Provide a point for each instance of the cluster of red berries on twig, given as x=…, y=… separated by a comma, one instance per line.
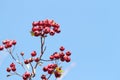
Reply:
x=7, y=44
x=63, y=56
x=39, y=29
x=42, y=28
x=12, y=67
x=52, y=69
x=33, y=58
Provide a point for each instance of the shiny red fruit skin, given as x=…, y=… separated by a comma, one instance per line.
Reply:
x=45, y=68
x=1, y=48
x=68, y=53
x=51, y=57
x=14, y=42
x=26, y=61
x=57, y=74
x=61, y=54
x=35, y=23
x=57, y=56
x=27, y=74
x=12, y=65
x=8, y=69
x=13, y=69
x=50, y=71
x=33, y=53
x=67, y=58
x=62, y=48
x=37, y=59
x=52, y=32
x=31, y=60
x=22, y=53
x=43, y=77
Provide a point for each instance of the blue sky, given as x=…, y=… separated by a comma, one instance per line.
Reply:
x=90, y=29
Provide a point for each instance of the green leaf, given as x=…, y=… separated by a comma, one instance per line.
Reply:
x=32, y=34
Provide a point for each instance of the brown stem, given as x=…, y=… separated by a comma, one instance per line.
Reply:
x=47, y=60
x=42, y=50
x=33, y=72
x=15, y=73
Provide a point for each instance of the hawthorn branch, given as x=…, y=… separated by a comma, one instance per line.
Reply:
x=42, y=40
x=33, y=71
x=15, y=73
x=18, y=61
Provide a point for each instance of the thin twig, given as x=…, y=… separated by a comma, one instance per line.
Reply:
x=18, y=61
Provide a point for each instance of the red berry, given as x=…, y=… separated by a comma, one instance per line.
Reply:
x=33, y=53
x=37, y=59
x=61, y=54
x=52, y=32
x=8, y=69
x=55, y=65
x=57, y=56
x=51, y=57
x=50, y=70
x=13, y=68
x=57, y=74
x=58, y=30
x=35, y=23
x=34, y=28
x=45, y=68
x=50, y=21
x=37, y=33
x=31, y=60
x=27, y=74
x=40, y=23
x=14, y=42
x=62, y=59
x=8, y=45
x=67, y=58
x=46, y=30
x=56, y=25
x=5, y=41
x=43, y=77
x=12, y=65
x=1, y=48
x=53, y=24
x=24, y=77
x=22, y=53
x=26, y=61
x=68, y=53
x=46, y=21
x=62, y=48
x=49, y=66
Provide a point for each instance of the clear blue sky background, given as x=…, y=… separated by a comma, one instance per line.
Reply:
x=90, y=29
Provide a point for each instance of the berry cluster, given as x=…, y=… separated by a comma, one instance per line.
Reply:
x=52, y=69
x=61, y=55
x=39, y=29
x=33, y=58
x=42, y=28
x=7, y=44
x=27, y=61
x=12, y=67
